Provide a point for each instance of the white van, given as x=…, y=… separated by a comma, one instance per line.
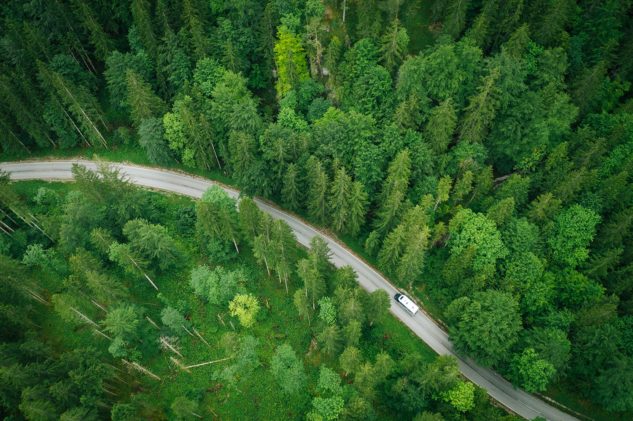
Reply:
x=407, y=303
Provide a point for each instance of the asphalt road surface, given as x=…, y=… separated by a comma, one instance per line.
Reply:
x=518, y=401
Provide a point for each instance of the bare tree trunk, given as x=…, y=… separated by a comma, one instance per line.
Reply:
x=141, y=369
x=84, y=317
x=169, y=346
x=187, y=330
x=235, y=244
x=208, y=362
x=200, y=336
x=153, y=323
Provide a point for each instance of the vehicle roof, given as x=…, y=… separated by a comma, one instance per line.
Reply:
x=406, y=301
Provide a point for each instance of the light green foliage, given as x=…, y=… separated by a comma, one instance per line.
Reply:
x=394, y=45
x=350, y=359
x=245, y=307
x=328, y=408
x=217, y=217
x=486, y=326
x=441, y=126
x=531, y=372
x=290, y=58
x=184, y=408
x=153, y=243
x=174, y=320
x=573, y=231
x=377, y=305
x=291, y=194
x=317, y=203
x=393, y=192
x=329, y=381
x=36, y=255
x=327, y=310
x=330, y=339
x=470, y=229
x=288, y=369
x=141, y=99
x=461, y=397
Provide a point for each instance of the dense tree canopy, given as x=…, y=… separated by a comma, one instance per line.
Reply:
x=480, y=151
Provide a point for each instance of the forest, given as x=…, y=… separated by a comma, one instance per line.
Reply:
x=478, y=152
x=165, y=308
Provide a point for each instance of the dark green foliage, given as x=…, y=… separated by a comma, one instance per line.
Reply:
x=472, y=146
x=486, y=325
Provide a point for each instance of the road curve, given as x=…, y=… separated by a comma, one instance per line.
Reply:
x=518, y=401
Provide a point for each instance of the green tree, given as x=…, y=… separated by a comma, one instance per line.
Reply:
x=217, y=217
x=245, y=307
x=350, y=360
x=151, y=137
x=474, y=230
x=290, y=60
x=153, y=243
x=288, y=369
x=441, y=126
x=142, y=100
x=394, y=45
x=393, y=193
x=486, y=326
x=531, y=372
x=291, y=192
x=377, y=304
x=218, y=285
x=330, y=339
x=573, y=230
x=348, y=202
x=314, y=284
x=185, y=408
x=249, y=218
x=481, y=109
x=461, y=397
x=174, y=320
x=317, y=190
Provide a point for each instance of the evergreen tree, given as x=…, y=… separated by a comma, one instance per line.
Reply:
x=317, y=181
x=141, y=99
x=290, y=59
x=393, y=192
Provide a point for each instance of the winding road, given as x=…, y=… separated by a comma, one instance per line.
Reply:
x=518, y=401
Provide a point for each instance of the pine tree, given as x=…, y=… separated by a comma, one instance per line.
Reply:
x=316, y=200
x=393, y=193
x=313, y=282
x=412, y=260
x=99, y=39
x=141, y=14
x=394, y=45
x=143, y=102
x=283, y=243
x=357, y=208
x=481, y=110
x=441, y=126
x=290, y=59
x=340, y=191
x=291, y=191
x=250, y=218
